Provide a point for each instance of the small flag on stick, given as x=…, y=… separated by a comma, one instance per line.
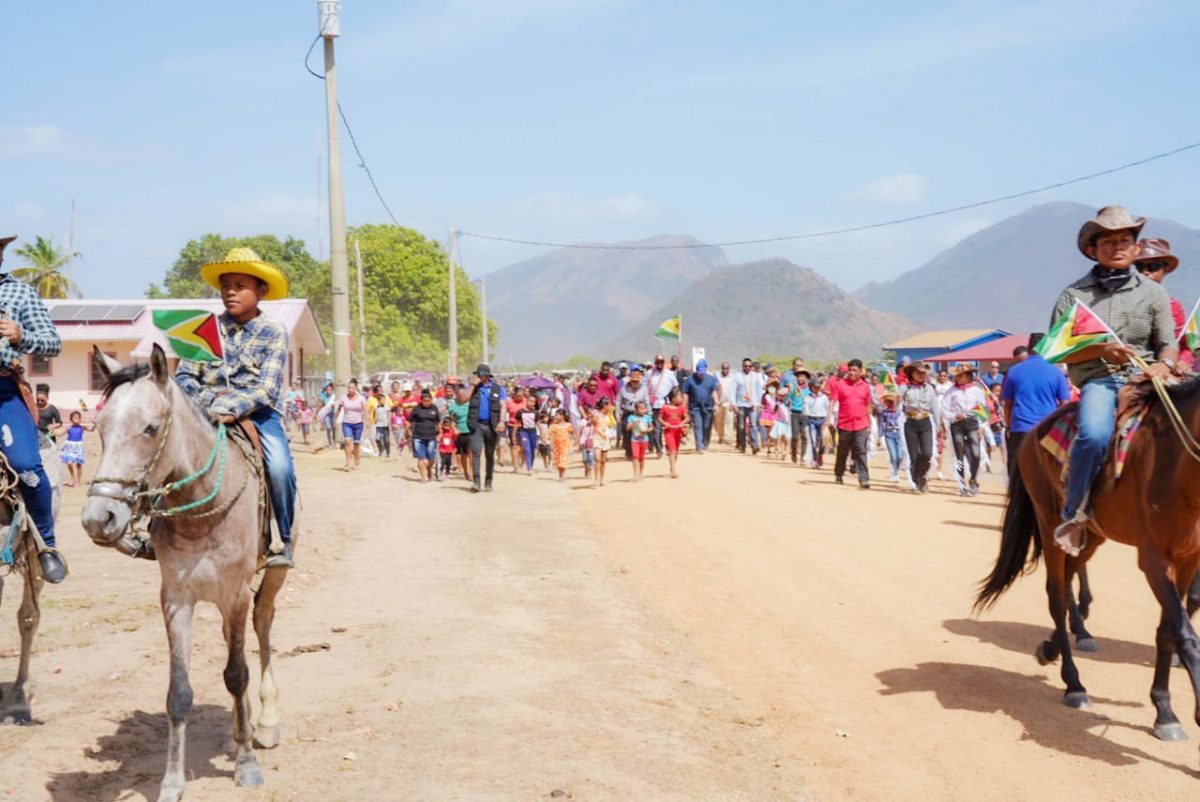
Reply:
x=981, y=412
x=669, y=329
x=1191, y=330
x=889, y=382
x=193, y=333
x=1078, y=329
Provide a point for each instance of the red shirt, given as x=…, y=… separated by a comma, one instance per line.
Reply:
x=672, y=416
x=853, y=400
x=587, y=398
x=608, y=387
x=446, y=442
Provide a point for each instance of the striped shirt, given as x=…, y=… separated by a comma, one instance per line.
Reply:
x=255, y=357
x=19, y=302
x=916, y=399
x=1139, y=311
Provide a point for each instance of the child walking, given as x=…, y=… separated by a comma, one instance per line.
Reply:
x=71, y=452
x=604, y=429
x=447, y=440
x=304, y=416
x=560, y=442
x=639, y=425
x=674, y=420
x=587, y=446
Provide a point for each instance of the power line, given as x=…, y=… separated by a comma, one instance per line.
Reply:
x=362, y=161
x=835, y=231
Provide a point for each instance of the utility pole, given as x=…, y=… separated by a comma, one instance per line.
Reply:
x=362, y=315
x=320, y=210
x=453, y=371
x=483, y=312
x=329, y=13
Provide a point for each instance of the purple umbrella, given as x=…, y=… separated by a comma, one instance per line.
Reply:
x=537, y=383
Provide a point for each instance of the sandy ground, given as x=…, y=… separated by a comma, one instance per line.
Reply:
x=748, y=631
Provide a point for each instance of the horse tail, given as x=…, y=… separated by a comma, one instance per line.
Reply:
x=1020, y=533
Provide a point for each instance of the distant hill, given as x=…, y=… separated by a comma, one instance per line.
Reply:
x=1009, y=274
x=771, y=306
x=571, y=300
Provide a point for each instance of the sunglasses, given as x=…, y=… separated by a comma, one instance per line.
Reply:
x=1151, y=267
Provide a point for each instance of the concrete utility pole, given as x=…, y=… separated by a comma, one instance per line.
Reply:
x=329, y=13
x=453, y=371
x=483, y=312
x=362, y=314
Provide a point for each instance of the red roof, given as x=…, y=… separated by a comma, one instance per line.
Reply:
x=999, y=349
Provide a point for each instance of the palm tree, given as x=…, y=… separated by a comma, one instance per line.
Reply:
x=45, y=269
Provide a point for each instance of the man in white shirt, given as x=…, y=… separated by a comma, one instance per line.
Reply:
x=725, y=407
x=747, y=398
x=660, y=381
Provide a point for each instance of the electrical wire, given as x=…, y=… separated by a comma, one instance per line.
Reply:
x=835, y=231
x=362, y=161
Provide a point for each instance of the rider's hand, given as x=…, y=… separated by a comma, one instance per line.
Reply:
x=1158, y=371
x=228, y=420
x=1116, y=354
x=12, y=330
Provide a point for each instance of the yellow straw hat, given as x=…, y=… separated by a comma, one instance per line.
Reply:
x=245, y=260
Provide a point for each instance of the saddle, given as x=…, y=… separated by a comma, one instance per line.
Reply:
x=245, y=436
x=1133, y=402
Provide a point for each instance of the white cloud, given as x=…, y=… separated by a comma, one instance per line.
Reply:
x=46, y=140
x=898, y=189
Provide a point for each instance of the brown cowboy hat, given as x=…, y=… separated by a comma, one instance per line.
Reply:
x=1110, y=218
x=910, y=369
x=960, y=369
x=5, y=240
x=1154, y=249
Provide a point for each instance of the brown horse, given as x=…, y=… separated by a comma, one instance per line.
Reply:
x=162, y=457
x=1155, y=507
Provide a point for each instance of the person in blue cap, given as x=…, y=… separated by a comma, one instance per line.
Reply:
x=703, y=394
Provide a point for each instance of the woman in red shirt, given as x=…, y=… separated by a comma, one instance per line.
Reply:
x=674, y=419
x=517, y=403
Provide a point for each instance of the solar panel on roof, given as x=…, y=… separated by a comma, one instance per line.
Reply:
x=124, y=311
x=95, y=313
x=60, y=313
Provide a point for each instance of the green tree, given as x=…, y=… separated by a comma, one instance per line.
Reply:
x=45, y=269
x=406, y=302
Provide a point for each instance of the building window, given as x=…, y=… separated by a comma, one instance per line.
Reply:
x=96, y=382
x=40, y=365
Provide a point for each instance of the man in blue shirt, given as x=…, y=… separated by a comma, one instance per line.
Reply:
x=483, y=418
x=1033, y=389
x=703, y=393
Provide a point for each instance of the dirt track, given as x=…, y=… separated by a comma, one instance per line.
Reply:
x=749, y=631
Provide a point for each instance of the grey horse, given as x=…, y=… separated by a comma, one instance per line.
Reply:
x=206, y=534
x=14, y=704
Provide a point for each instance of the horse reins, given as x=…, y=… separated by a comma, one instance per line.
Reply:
x=1190, y=444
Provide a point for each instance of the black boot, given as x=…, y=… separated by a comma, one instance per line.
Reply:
x=52, y=565
x=281, y=560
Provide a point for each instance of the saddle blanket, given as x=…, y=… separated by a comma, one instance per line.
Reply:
x=1062, y=434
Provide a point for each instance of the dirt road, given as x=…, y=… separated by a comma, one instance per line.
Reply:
x=749, y=631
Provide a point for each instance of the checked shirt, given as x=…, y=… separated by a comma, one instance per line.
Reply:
x=19, y=302
x=255, y=357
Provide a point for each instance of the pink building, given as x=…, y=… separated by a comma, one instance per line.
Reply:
x=124, y=330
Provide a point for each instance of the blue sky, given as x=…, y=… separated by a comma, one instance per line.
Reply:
x=588, y=120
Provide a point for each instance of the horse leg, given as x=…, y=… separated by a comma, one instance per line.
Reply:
x=1193, y=595
x=1085, y=592
x=246, y=771
x=177, y=613
x=1166, y=724
x=1174, y=615
x=1084, y=641
x=267, y=732
x=1056, y=593
x=28, y=617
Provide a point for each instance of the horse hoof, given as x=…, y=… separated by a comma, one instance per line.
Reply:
x=1078, y=700
x=247, y=774
x=1086, y=645
x=18, y=716
x=170, y=793
x=1040, y=654
x=1170, y=732
x=267, y=737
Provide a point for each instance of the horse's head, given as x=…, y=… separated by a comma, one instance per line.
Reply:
x=134, y=426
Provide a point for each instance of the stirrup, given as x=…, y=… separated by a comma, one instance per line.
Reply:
x=1071, y=535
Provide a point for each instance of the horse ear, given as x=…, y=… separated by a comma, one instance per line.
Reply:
x=105, y=363
x=158, y=366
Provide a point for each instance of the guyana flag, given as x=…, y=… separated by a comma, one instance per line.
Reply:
x=980, y=412
x=192, y=333
x=1191, y=330
x=888, y=381
x=670, y=328
x=1079, y=328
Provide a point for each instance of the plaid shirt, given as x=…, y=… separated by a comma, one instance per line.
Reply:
x=19, y=302
x=1139, y=311
x=255, y=356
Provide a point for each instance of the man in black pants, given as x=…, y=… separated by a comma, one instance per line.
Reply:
x=483, y=419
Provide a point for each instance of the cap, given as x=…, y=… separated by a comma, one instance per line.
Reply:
x=635, y=367
x=483, y=370
x=623, y=365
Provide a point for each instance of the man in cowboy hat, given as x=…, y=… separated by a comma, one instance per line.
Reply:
x=1138, y=310
x=25, y=329
x=248, y=382
x=1155, y=261
x=483, y=418
x=922, y=420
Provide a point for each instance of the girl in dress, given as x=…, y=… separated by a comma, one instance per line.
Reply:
x=604, y=432
x=781, y=432
x=560, y=441
x=71, y=452
x=766, y=414
x=674, y=420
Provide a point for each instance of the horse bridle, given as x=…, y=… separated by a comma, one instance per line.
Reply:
x=134, y=492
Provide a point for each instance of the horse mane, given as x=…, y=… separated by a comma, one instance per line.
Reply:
x=1185, y=391
x=126, y=375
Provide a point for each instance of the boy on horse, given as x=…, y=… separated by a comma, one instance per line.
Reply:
x=1138, y=310
x=248, y=382
x=26, y=328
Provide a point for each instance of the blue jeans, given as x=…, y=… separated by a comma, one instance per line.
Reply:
x=529, y=441
x=277, y=460
x=895, y=449
x=814, y=436
x=1097, y=416
x=702, y=418
x=19, y=442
